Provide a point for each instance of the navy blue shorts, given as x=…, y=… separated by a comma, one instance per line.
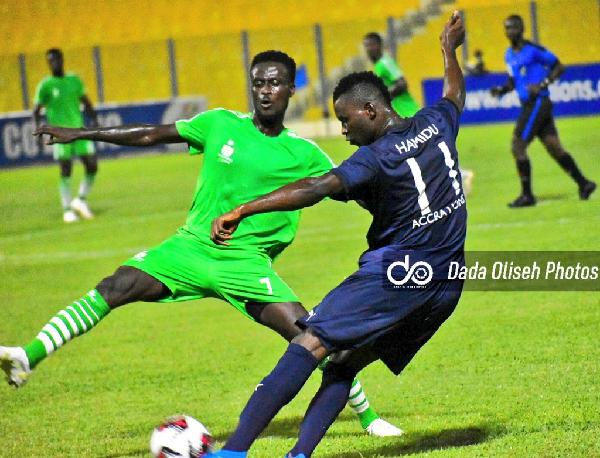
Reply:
x=364, y=310
x=535, y=119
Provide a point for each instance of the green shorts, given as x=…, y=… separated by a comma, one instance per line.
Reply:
x=66, y=151
x=192, y=269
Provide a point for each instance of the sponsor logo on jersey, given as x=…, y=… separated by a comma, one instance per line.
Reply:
x=421, y=138
x=226, y=153
x=140, y=256
x=55, y=92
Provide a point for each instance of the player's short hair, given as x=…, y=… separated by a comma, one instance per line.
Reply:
x=515, y=18
x=279, y=57
x=363, y=86
x=374, y=36
x=55, y=51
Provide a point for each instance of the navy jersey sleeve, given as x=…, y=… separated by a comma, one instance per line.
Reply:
x=447, y=110
x=356, y=173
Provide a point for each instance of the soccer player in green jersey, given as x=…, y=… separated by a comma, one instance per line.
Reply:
x=245, y=155
x=386, y=68
x=62, y=95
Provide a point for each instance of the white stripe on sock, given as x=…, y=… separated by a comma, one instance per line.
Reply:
x=54, y=334
x=91, y=309
x=357, y=400
x=361, y=409
x=48, y=345
x=74, y=328
x=355, y=389
x=85, y=313
x=83, y=325
x=61, y=327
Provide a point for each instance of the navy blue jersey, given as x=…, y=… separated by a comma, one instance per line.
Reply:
x=410, y=181
x=529, y=65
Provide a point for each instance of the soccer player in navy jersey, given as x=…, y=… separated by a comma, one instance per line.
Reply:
x=531, y=69
x=405, y=173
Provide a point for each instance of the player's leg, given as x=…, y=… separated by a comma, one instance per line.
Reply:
x=397, y=347
x=126, y=285
x=85, y=151
x=282, y=317
x=565, y=160
x=66, y=169
x=328, y=402
x=519, y=151
x=524, y=132
x=275, y=391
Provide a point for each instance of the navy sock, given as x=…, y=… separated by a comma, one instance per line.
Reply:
x=524, y=169
x=276, y=390
x=568, y=164
x=324, y=408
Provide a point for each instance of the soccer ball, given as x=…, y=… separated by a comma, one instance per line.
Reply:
x=180, y=436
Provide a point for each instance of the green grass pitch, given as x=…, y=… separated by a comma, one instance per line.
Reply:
x=510, y=374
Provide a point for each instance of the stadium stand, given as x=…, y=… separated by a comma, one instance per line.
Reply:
x=132, y=34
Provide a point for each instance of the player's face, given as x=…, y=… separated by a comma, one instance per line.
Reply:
x=271, y=89
x=357, y=120
x=55, y=62
x=513, y=30
x=373, y=49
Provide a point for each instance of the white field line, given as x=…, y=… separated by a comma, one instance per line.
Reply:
x=318, y=234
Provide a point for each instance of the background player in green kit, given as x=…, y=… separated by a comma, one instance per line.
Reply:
x=62, y=96
x=245, y=155
x=386, y=68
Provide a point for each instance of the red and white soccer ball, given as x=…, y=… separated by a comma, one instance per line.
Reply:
x=181, y=436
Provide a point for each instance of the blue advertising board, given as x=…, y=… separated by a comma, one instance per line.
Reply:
x=577, y=93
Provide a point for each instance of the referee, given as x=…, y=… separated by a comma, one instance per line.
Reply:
x=531, y=69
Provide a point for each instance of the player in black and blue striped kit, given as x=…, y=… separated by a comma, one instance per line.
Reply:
x=531, y=69
x=406, y=174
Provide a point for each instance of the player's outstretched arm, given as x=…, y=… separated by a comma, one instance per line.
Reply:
x=300, y=194
x=451, y=38
x=134, y=135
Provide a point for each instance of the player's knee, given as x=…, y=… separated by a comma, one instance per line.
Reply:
x=91, y=166
x=92, y=169
x=337, y=372
x=519, y=149
x=312, y=343
x=65, y=169
x=116, y=288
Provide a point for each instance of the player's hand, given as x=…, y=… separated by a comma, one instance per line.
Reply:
x=57, y=134
x=534, y=89
x=453, y=34
x=496, y=91
x=224, y=226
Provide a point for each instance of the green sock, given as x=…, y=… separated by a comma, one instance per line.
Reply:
x=78, y=318
x=86, y=185
x=65, y=192
x=357, y=401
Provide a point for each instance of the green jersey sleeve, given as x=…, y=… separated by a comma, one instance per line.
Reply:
x=321, y=163
x=41, y=93
x=195, y=130
x=388, y=70
x=80, y=86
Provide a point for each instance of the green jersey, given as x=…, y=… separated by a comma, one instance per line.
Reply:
x=388, y=70
x=61, y=96
x=241, y=164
